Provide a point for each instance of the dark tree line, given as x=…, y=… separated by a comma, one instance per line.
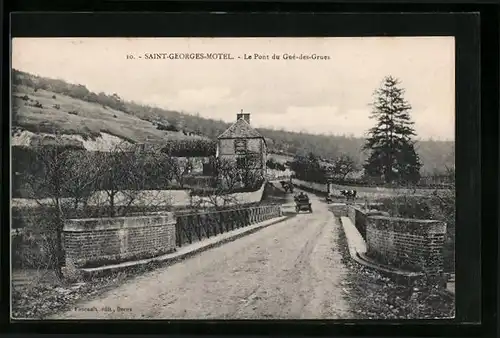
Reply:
x=308, y=168
x=273, y=164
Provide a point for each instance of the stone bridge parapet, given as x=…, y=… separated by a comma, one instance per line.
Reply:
x=409, y=244
x=95, y=242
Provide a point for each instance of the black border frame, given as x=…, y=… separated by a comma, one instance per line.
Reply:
x=468, y=157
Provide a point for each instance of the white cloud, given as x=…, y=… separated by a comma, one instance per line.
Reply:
x=333, y=95
x=321, y=119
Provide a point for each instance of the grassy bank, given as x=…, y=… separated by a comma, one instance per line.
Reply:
x=372, y=296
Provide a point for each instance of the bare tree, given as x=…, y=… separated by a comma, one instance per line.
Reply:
x=154, y=171
x=181, y=168
x=250, y=169
x=227, y=179
x=119, y=177
x=343, y=166
x=48, y=179
x=83, y=178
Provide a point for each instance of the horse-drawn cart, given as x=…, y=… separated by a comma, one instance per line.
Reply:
x=302, y=203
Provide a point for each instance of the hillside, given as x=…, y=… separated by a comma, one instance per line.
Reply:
x=42, y=105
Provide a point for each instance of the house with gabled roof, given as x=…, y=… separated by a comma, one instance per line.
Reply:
x=243, y=145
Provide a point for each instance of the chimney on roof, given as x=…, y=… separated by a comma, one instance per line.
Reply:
x=242, y=115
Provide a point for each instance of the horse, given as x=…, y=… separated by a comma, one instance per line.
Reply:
x=349, y=194
x=286, y=186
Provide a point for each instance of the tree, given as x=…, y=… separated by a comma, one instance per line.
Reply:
x=392, y=151
x=227, y=177
x=250, y=169
x=51, y=176
x=119, y=175
x=275, y=165
x=182, y=167
x=83, y=177
x=308, y=168
x=159, y=170
x=343, y=166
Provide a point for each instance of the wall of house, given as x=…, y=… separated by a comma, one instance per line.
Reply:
x=226, y=147
x=226, y=150
x=256, y=145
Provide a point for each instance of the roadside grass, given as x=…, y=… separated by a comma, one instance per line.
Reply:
x=373, y=296
x=78, y=117
x=44, y=295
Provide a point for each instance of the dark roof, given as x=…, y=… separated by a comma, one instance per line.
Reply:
x=240, y=129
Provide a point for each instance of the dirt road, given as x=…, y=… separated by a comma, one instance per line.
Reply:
x=290, y=270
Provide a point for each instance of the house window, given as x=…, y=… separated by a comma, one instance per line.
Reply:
x=240, y=146
x=241, y=162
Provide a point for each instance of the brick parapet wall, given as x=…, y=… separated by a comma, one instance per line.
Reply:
x=407, y=243
x=358, y=217
x=102, y=241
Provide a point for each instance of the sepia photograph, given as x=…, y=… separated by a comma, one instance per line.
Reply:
x=233, y=178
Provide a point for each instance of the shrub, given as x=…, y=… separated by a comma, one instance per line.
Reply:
x=190, y=148
x=169, y=127
x=35, y=246
x=407, y=206
x=275, y=165
x=439, y=206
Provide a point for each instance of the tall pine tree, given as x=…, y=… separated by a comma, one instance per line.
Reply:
x=392, y=151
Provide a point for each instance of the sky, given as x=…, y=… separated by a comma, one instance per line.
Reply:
x=328, y=96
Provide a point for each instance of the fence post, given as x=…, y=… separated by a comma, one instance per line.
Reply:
x=231, y=218
x=247, y=216
x=222, y=219
x=178, y=225
x=213, y=224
